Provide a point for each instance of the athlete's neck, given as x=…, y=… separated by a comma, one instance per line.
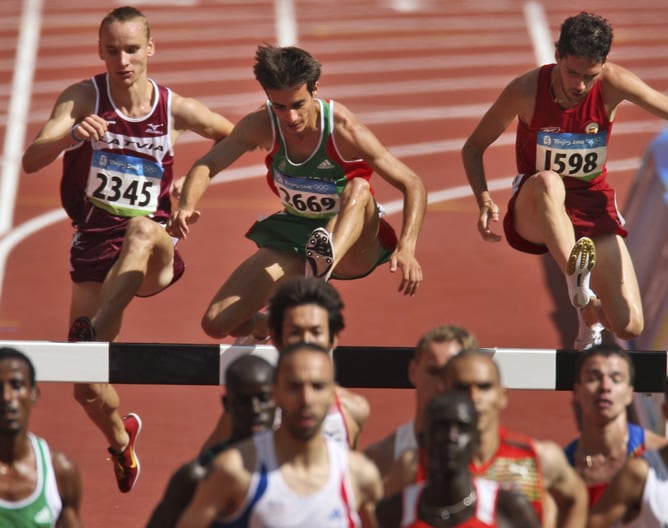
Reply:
x=14, y=448
x=135, y=100
x=490, y=441
x=609, y=439
x=297, y=451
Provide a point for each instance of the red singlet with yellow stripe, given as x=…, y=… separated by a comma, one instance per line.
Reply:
x=515, y=465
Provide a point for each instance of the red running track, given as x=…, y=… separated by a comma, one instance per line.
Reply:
x=420, y=80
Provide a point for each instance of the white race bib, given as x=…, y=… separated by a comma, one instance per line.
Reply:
x=308, y=197
x=579, y=156
x=124, y=185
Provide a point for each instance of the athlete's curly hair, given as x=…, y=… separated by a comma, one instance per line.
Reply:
x=585, y=35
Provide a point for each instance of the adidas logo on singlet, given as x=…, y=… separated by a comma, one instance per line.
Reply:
x=326, y=164
x=44, y=516
x=335, y=515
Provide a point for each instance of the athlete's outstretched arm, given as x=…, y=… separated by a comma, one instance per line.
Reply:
x=564, y=485
x=355, y=140
x=190, y=114
x=495, y=121
x=247, y=135
x=73, y=106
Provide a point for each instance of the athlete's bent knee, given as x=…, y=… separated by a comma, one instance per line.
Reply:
x=629, y=329
x=214, y=327
x=86, y=393
x=141, y=228
x=356, y=189
x=548, y=183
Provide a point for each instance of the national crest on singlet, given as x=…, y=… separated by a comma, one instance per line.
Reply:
x=312, y=188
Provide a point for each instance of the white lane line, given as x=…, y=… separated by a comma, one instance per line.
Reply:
x=161, y=3
x=539, y=31
x=405, y=6
x=26, y=53
x=286, y=23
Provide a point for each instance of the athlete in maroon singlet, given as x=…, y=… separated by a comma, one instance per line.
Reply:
x=118, y=131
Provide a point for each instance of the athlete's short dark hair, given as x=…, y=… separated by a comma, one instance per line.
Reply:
x=585, y=35
x=606, y=350
x=279, y=68
x=13, y=353
x=298, y=291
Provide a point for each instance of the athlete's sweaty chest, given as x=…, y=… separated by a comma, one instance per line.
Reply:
x=301, y=147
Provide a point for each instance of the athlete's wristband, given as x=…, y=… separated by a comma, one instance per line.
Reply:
x=73, y=133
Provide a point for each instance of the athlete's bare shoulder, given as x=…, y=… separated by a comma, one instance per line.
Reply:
x=365, y=476
x=68, y=480
x=255, y=129
x=382, y=452
x=345, y=120
x=80, y=96
x=527, y=82
x=238, y=458
x=520, y=94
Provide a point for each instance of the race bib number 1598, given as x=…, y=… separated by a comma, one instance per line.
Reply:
x=575, y=155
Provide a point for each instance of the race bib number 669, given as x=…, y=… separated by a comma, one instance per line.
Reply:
x=579, y=156
x=307, y=197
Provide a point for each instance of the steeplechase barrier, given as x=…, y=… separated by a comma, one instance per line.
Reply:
x=356, y=366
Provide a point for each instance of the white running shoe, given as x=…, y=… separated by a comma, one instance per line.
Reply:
x=319, y=254
x=588, y=335
x=580, y=263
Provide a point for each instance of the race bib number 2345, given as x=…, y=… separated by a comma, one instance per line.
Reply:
x=124, y=185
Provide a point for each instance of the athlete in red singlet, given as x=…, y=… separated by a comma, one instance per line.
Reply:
x=118, y=132
x=537, y=469
x=425, y=372
x=562, y=203
x=450, y=494
x=532, y=467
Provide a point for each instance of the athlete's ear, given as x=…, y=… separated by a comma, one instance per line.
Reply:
x=503, y=397
x=629, y=395
x=412, y=371
x=273, y=339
